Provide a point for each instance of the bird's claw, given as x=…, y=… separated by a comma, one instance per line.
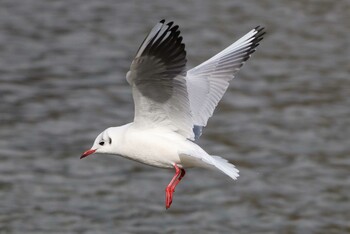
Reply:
x=169, y=197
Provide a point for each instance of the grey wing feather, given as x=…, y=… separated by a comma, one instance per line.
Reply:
x=208, y=82
x=157, y=77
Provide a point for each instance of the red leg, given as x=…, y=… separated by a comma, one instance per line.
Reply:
x=179, y=178
x=170, y=189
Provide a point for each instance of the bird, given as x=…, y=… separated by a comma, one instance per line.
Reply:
x=173, y=104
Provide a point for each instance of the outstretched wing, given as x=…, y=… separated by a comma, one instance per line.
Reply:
x=208, y=81
x=157, y=77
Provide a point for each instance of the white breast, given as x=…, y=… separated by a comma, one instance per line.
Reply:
x=155, y=147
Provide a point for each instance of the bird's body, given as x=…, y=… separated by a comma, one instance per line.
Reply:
x=173, y=105
x=154, y=147
x=157, y=147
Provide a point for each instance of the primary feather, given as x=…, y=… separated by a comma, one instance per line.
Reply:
x=157, y=77
x=207, y=83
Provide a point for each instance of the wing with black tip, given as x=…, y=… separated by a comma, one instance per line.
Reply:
x=157, y=76
x=208, y=81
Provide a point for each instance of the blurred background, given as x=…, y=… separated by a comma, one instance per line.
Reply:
x=284, y=121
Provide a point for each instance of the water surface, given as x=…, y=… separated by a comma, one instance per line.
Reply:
x=284, y=121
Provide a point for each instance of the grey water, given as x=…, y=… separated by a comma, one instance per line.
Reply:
x=284, y=121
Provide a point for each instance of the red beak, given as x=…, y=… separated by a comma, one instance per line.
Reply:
x=87, y=153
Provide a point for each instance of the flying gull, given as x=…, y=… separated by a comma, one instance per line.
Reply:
x=173, y=105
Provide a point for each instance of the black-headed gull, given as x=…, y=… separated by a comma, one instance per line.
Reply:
x=173, y=105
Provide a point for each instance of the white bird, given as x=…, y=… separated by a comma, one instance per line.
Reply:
x=173, y=105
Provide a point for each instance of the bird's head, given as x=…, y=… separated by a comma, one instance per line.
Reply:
x=102, y=144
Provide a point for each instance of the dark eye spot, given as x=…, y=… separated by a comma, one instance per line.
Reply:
x=101, y=143
x=110, y=140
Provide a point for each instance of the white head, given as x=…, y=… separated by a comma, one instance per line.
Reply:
x=103, y=143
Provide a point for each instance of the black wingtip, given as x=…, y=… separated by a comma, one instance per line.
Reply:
x=174, y=28
x=167, y=45
x=170, y=23
x=257, y=37
x=260, y=32
x=259, y=28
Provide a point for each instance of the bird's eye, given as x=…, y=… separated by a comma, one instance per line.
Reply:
x=101, y=143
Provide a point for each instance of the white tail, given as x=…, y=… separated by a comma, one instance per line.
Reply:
x=225, y=166
x=195, y=155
